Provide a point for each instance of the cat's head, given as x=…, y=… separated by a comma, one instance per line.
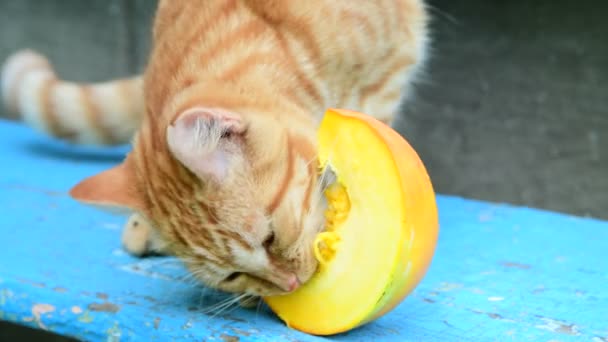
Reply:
x=236, y=196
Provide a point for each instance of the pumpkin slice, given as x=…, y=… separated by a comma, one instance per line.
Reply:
x=381, y=231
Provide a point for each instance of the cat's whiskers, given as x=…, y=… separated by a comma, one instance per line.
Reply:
x=449, y=17
x=218, y=307
x=257, y=308
x=223, y=305
x=229, y=309
x=197, y=275
x=167, y=260
x=190, y=278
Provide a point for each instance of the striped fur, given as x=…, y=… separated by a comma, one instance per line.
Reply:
x=101, y=114
x=223, y=171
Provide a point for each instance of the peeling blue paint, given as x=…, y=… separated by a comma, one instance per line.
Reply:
x=500, y=272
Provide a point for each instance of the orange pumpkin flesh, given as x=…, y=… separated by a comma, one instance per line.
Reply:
x=381, y=232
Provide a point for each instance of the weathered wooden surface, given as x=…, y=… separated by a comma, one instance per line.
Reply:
x=500, y=273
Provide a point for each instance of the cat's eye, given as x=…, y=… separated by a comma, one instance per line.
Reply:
x=269, y=240
x=226, y=134
x=232, y=276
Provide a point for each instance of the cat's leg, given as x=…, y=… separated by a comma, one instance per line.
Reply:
x=139, y=238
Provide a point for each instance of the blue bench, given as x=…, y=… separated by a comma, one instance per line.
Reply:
x=500, y=272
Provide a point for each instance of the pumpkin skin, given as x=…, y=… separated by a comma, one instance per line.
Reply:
x=381, y=232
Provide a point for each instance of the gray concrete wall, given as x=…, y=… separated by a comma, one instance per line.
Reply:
x=516, y=105
x=86, y=40
x=514, y=108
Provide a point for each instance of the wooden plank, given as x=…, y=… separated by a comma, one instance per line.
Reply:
x=500, y=272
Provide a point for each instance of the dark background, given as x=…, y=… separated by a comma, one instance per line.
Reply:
x=514, y=106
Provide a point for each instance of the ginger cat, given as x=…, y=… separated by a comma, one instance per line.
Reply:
x=222, y=173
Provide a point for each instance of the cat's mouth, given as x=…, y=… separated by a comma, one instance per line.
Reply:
x=285, y=281
x=275, y=282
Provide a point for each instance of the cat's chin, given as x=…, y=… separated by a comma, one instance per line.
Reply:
x=268, y=291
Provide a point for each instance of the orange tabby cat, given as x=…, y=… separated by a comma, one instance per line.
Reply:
x=223, y=125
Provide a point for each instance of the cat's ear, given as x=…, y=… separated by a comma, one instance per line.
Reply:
x=112, y=190
x=200, y=139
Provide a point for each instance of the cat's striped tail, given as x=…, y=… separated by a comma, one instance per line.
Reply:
x=105, y=113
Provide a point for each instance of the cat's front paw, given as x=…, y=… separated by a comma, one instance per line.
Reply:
x=138, y=237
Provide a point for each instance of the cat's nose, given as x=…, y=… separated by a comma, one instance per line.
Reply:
x=287, y=282
x=293, y=283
